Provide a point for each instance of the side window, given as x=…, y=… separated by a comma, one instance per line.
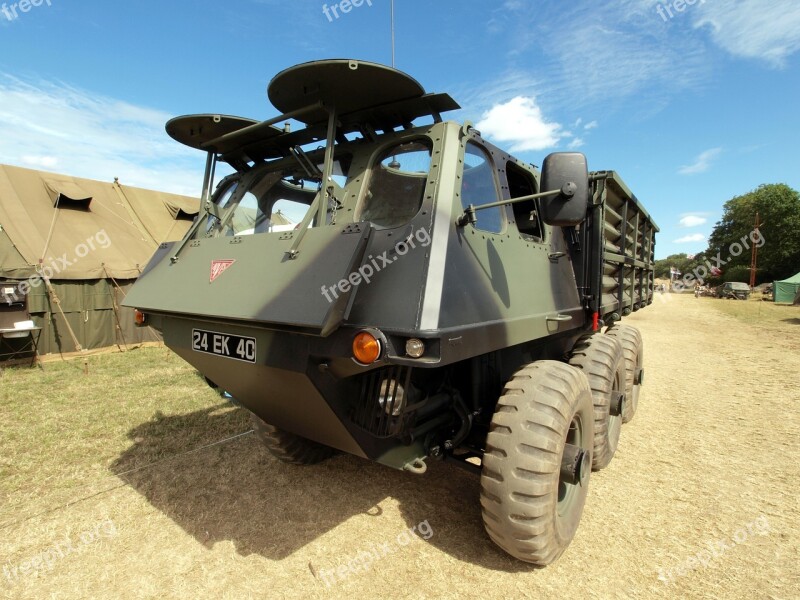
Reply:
x=526, y=214
x=478, y=187
x=397, y=184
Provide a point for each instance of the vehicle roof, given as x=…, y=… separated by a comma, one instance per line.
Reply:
x=367, y=98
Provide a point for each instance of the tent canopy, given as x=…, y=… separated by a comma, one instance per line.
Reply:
x=83, y=229
x=787, y=290
x=80, y=234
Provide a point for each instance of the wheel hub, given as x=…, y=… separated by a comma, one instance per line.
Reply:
x=576, y=464
x=617, y=403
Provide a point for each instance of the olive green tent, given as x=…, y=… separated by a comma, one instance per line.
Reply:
x=76, y=246
x=787, y=290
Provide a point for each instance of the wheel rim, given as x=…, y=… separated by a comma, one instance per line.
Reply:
x=568, y=493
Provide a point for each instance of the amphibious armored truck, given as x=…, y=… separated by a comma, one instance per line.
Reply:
x=381, y=282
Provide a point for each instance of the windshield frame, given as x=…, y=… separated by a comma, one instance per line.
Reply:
x=292, y=182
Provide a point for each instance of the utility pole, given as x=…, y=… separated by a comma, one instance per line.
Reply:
x=754, y=255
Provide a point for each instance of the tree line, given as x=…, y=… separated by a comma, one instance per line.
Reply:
x=730, y=242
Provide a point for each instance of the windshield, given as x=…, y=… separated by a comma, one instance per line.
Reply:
x=397, y=184
x=263, y=200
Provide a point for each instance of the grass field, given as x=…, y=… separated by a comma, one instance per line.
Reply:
x=125, y=476
x=66, y=427
x=758, y=312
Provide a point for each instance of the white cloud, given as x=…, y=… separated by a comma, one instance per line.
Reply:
x=590, y=125
x=55, y=126
x=612, y=50
x=40, y=162
x=695, y=237
x=693, y=221
x=513, y=5
x=762, y=29
x=624, y=48
x=520, y=122
x=576, y=143
x=494, y=26
x=702, y=163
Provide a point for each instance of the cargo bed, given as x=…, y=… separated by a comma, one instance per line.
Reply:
x=622, y=274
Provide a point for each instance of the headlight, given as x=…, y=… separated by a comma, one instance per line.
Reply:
x=415, y=348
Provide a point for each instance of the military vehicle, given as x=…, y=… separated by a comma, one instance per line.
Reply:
x=436, y=299
x=735, y=290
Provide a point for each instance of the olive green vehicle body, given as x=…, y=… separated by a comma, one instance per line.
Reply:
x=483, y=297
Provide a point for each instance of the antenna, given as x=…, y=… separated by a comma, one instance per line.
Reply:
x=392, y=33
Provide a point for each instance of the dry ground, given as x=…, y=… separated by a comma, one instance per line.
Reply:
x=711, y=461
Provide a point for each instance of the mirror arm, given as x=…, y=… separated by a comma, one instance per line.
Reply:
x=469, y=215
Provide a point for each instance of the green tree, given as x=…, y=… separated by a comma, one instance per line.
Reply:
x=737, y=273
x=662, y=267
x=778, y=207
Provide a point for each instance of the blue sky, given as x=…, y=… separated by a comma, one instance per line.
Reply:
x=691, y=109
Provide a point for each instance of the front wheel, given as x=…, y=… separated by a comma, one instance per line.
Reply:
x=537, y=461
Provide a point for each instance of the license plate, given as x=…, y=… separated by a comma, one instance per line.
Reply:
x=224, y=344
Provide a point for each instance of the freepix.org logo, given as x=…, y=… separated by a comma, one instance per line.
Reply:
x=12, y=11
x=367, y=271
x=343, y=7
x=218, y=267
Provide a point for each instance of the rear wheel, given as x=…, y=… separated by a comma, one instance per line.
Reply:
x=633, y=350
x=288, y=447
x=600, y=358
x=537, y=461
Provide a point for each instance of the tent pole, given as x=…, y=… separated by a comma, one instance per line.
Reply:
x=52, y=227
x=116, y=310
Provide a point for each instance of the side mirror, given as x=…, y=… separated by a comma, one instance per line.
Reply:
x=567, y=172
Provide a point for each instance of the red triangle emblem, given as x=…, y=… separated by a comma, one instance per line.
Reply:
x=218, y=267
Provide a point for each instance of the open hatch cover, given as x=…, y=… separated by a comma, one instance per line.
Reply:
x=345, y=85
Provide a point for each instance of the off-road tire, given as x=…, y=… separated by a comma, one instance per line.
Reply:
x=600, y=358
x=288, y=447
x=633, y=350
x=527, y=510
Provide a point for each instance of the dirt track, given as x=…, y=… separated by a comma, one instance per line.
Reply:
x=711, y=460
